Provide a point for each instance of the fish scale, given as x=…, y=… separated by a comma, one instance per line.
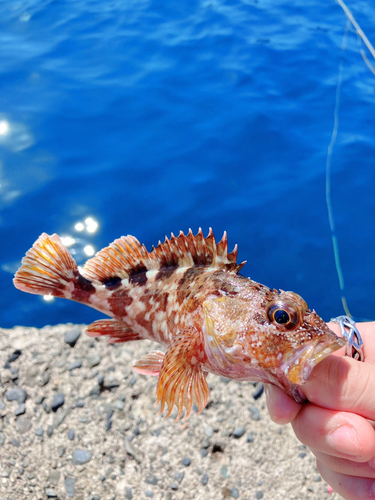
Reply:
x=187, y=294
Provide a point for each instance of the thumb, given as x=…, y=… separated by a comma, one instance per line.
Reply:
x=343, y=384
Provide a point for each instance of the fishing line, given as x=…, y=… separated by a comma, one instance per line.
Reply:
x=368, y=44
x=331, y=219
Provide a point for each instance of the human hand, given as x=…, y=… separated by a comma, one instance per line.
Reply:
x=337, y=422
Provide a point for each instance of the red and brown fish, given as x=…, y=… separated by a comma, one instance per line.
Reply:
x=187, y=294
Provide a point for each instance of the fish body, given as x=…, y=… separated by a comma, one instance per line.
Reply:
x=187, y=294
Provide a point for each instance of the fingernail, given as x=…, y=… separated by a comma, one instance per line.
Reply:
x=344, y=440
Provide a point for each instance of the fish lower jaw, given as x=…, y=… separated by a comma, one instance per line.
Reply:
x=300, y=363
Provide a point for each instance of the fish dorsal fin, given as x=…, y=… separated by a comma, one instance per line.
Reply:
x=190, y=250
x=126, y=256
x=122, y=258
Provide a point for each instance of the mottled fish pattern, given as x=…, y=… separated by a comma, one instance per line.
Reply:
x=186, y=294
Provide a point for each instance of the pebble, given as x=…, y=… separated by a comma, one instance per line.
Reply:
x=71, y=434
x=69, y=486
x=258, y=391
x=119, y=405
x=131, y=451
x=208, y=431
x=23, y=425
x=5, y=472
x=149, y=493
x=302, y=454
x=81, y=457
x=250, y=438
x=15, y=355
x=44, y=379
x=39, y=431
x=186, y=461
x=128, y=493
x=77, y=363
x=39, y=400
x=317, y=479
x=59, y=417
x=2, y=405
x=95, y=391
x=239, y=432
x=93, y=360
x=224, y=471
x=255, y=415
x=16, y=394
x=259, y=495
x=31, y=374
x=225, y=380
x=54, y=477
x=72, y=336
x=151, y=480
x=46, y=407
x=51, y=493
x=61, y=451
x=57, y=401
x=2, y=438
x=108, y=425
x=15, y=442
x=80, y=403
x=204, y=452
x=49, y=430
x=234, y=493
x=204, y=479
x=179, y=476
x=20, y=410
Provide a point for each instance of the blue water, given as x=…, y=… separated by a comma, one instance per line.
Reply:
x=152, y=116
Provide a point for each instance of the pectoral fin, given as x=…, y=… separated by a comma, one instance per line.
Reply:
x=182, y=381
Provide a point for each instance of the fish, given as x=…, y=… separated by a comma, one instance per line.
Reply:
x=187, y=294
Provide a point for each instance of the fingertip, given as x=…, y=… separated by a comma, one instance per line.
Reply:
x=282, y=408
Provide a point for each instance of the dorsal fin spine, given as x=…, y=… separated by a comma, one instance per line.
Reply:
x=126, y=254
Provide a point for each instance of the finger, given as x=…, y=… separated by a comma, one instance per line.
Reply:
x=347, y=467
x=343, y=384
x=340, y=434
x=282, y=408
x=349, y=487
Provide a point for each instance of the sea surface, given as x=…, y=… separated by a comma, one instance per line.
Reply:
x=147, y=117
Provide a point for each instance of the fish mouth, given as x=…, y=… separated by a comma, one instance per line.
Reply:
x=299, y=364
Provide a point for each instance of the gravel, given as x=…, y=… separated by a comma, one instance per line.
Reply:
x=112, y=444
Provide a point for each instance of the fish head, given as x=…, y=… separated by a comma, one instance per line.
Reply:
x=274, y=336
x=300, y=336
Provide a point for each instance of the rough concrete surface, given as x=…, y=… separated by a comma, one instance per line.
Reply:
x=81, y=424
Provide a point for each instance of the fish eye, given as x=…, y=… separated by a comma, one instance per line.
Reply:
x=283, y=313
x=281, y=316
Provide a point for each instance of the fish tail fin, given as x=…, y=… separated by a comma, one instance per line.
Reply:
x=48, y=269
